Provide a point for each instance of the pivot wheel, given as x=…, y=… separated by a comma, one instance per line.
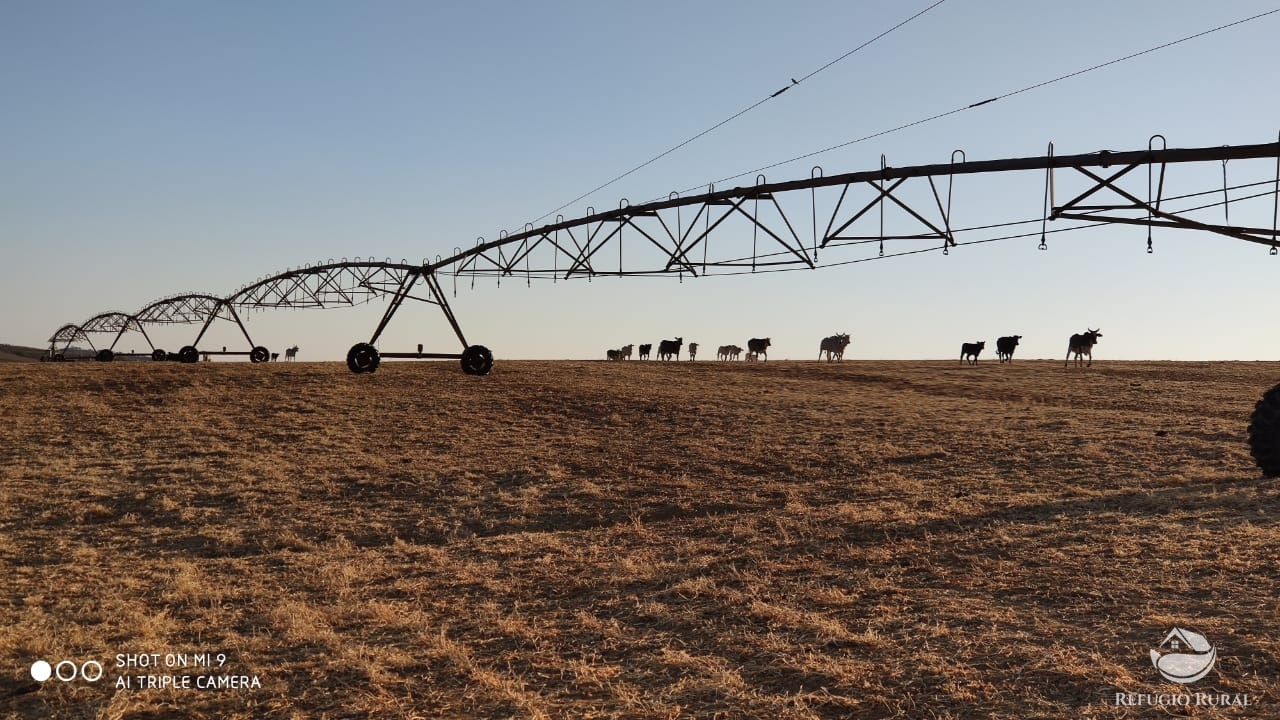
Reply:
x=477, y=360
x=362, y=358
x=159, y=355
x=259, y=355
x=1264, y=433
x=188, y=354
x=105, y=355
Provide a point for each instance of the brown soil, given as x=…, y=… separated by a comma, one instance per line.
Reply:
x=635, y=540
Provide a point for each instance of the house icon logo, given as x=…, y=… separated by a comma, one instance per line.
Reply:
x=1184, y=656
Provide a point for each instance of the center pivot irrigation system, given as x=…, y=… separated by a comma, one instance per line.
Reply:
x=819, y=221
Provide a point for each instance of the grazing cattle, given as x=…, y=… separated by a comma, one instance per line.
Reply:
x=693, y=351
x=971, y=350
x=759, y=346
x=1005, y=346
x=644, y=351
x=625, y=352
x=1082, y=344
x=613, y=354
x=834, y=347
x=668, y=348
x=291, y=353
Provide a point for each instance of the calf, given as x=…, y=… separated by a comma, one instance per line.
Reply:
x=759, y=346
x=613, y=354
x=1005, y=346
x=693, y=351
x=625, y=352
x=1082, y=344
x=644, y=351
x=971, y=350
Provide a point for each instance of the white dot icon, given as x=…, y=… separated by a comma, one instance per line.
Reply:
x=41, y=671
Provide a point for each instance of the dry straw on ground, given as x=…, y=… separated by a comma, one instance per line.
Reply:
x=636, y=540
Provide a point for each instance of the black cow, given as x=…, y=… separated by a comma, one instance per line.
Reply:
x=667, y=348
x=1005, y=346
x=833, y=347
x=968, y=350
x=644, y=351
x=759, y=346
x=1081, y=345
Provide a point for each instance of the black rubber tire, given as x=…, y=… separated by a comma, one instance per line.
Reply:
x=477, y=360
x=105, y=355
x=363, y=358
x=188, y=354
x=259, y=355
x=1264, y=433
x=159, y=355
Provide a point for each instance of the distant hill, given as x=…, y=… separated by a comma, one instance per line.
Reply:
x=18, y=353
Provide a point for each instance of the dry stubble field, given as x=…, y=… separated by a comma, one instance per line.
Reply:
x=635, y=540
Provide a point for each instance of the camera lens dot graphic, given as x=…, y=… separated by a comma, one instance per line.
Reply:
x=41, y=671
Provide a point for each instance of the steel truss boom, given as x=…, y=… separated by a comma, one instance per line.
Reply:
x=675, y=243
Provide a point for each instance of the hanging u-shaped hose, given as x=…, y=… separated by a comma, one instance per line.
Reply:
x=555, y=255
x=706, y=233
x=950, y=240
x=673, y=195
x=1048, y=198
x=814, y=173
x=755, y=221
x=623, y=204
x=1275, y=210
x=1159, y=190
x=1226, y=199
x=527, y=250
x=586, y=254
x=880, y=200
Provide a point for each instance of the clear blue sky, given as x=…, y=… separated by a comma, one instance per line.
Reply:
x=153, y=148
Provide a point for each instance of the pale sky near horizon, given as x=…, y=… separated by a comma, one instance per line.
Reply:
x=148, y=149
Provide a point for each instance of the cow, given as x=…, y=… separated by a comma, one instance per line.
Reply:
x=1005, y=347
x=291, y=353
x=723, y=352
x=613, y=354
x=275, y=357
x=625, y=352
x=667, y=348
x=734, y=352
x=1082, y=344
x=759, y=346
x=968, y=350
x=834, y=347
x=644, y=351
x=693, y=351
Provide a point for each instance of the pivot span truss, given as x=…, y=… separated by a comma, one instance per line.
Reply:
x=796, y=224
x=819, y=221
x=809, y=223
